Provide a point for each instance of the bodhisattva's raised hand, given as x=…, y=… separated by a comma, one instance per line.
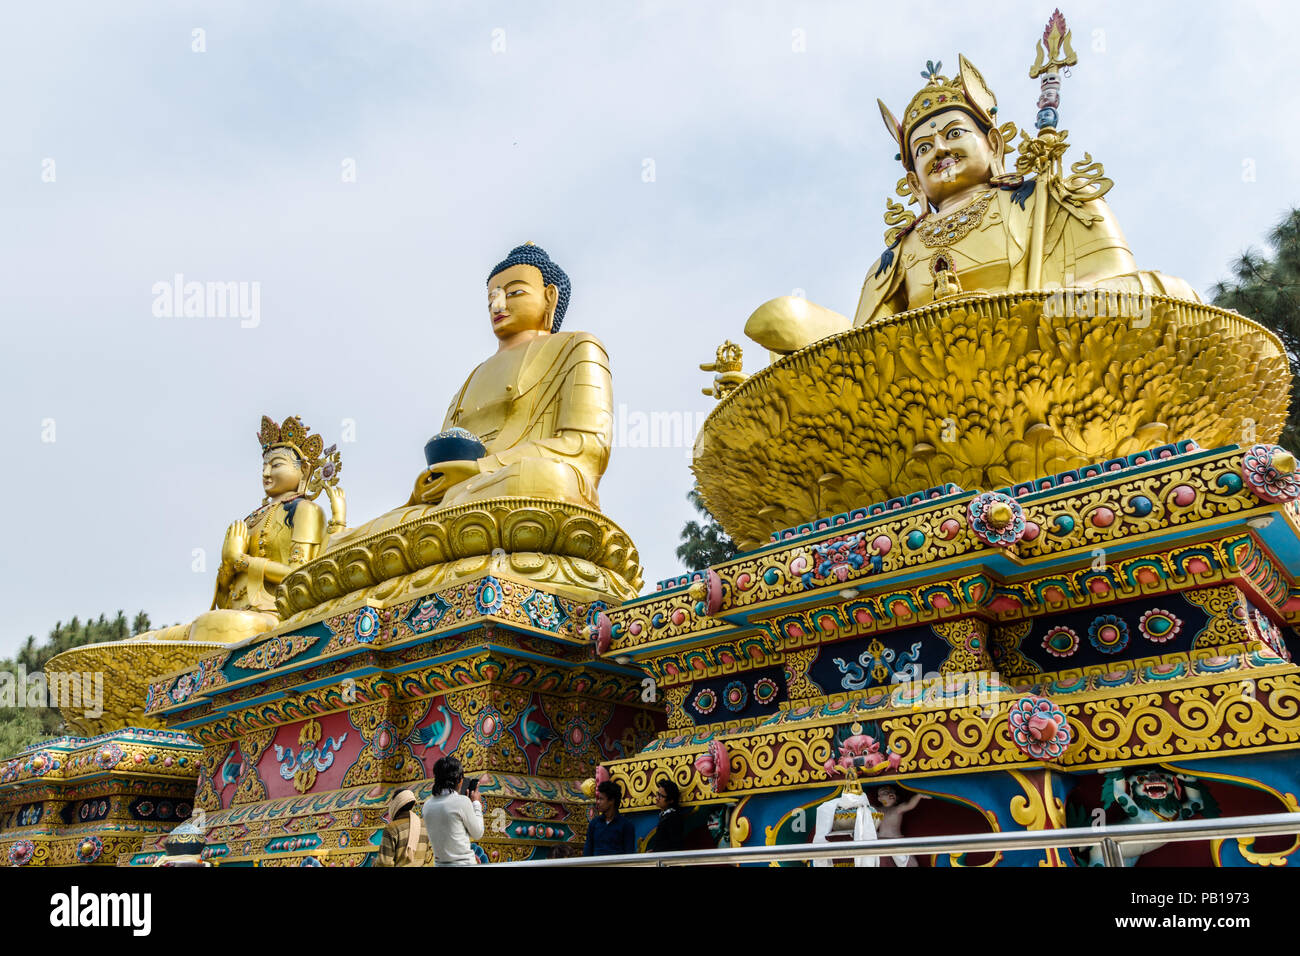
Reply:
x=338, y=509
x=235, y=544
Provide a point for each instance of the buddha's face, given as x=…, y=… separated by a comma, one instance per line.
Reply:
x=281, y=472
x=950, y=154
x=520, y=301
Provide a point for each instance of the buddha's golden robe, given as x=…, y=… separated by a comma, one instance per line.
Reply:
x=544, y=411
x=993, y=257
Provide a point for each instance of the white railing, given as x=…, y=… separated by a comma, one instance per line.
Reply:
x=1109, y=838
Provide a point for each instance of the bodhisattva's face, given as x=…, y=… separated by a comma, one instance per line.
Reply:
x=281, y=473
x=950, y=154
x=520, y=301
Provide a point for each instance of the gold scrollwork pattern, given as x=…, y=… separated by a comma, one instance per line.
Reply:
x=799, y=685
x=1010, y=660
x=678, y=718
x=1221, y=604
x=969, y=642
x=250, y=787
x=1261, y=713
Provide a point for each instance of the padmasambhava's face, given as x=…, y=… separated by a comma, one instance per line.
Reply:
x=519, y=300
x=281, y=472
x=949, y=154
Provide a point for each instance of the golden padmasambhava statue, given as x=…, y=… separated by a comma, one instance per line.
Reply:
x=982, y=229
x=536, y=419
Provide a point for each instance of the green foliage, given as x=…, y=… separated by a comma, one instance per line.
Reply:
x=704, y=543
x=1268, y=290
x=21, y=726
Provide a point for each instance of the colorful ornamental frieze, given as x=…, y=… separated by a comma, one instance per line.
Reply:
x=88, y=802
x=1098, y=641
x=411, y=622
x=1101, y=512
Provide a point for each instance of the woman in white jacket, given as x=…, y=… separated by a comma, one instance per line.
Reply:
x=452, y=818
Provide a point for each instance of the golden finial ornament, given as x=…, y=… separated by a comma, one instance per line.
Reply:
x=728, y=365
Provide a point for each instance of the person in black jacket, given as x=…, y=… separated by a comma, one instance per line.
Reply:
x=609, y=833
x=670, y=834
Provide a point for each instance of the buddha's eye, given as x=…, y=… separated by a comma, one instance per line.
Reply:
x=515, y=292
x=922, y=149
x=954, y=133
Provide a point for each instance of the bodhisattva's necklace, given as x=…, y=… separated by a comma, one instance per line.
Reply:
x=945, y=230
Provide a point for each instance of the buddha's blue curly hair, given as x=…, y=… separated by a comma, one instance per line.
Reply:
x=531, y=255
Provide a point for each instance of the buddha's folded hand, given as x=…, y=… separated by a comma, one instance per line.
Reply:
x=435, y=480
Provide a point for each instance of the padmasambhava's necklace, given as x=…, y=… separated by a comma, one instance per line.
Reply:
x=956, y=225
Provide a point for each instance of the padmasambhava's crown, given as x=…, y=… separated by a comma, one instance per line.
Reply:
x=968, y=92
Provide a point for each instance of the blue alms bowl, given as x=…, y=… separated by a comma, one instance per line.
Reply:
x=455, y=444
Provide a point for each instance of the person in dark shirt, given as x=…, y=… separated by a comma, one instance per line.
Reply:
x=608, y=833
x=670, y=834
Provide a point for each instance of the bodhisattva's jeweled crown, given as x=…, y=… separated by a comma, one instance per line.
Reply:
x=321, y=465
x=967, y=92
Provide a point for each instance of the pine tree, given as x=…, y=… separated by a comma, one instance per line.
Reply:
x=1268, y=291
x=704, y=543
x=21, y=726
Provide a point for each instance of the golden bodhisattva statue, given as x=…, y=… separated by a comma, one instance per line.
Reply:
x=542, y=406
x=288, y=529
x=983, y=229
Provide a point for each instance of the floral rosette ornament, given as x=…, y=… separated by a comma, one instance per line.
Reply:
x=21, y=853
x=1039, y=728
x=108, y=756
x=1270, y=473
x=89, y=849
x=40, y=763
x=997, y=519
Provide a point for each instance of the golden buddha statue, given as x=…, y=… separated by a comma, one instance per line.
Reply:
x=511, y=480
x=983, y=229
x=542, y=405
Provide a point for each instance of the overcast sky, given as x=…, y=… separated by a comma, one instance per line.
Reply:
x=471, y=128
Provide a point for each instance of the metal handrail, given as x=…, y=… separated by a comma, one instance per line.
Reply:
x=1111, y=838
